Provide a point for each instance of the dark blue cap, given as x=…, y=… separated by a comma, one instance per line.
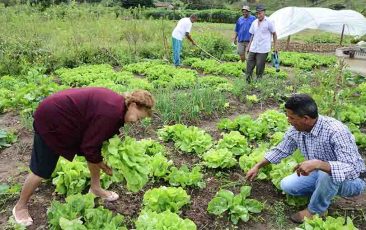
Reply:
x=260, y=7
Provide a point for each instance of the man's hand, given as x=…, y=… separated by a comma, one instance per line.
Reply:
x=105, y=168
x=306, y=167
x=252, y=173
x=235, y=41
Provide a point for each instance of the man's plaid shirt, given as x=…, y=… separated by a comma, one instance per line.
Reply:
x=330, y=141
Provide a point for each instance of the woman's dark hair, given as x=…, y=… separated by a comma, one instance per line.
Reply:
x=301, y=105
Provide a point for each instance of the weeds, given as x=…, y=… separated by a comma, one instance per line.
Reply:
x=188, y=106
x=279, y=214
x=7, y=193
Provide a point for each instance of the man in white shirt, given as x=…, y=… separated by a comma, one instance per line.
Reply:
x=262, y=30
x=182, y=30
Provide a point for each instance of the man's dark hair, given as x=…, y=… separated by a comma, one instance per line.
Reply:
x=301, y=105
x=194, y=16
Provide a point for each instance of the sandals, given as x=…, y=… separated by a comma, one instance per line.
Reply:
x=27, y=222
x=112, y=196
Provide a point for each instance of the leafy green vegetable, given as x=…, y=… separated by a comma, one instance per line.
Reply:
x=183, y=177
x=276, y=138
x=171, y=133
x=160, y=165
x=250, y=128
x=353, y=113
x=161, y=75
x=273, y=120
x=7, y=138
x=285, y=168
x=306, y=61
x=149, y=220
x=71, y=177
x=78, y=213
x=101, y=218
x=165, y=198
x=238, y=206
x=128, y=160
x=246, y=162
x=359, y=136
x=75, y=224
x=297, y=201
x=235, y=142
x=219, y=158
x=215, y=82
x=330, y=223
x=193, y=140
x=74, y=208
x=188, y=139
x=227, y=125
x=152, y=147
x=268, y=123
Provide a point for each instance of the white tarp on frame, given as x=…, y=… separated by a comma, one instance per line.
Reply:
x=290, y=20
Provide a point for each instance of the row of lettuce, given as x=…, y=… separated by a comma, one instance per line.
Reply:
x=24, y=92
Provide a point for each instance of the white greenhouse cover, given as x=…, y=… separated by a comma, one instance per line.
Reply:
x=290, y=20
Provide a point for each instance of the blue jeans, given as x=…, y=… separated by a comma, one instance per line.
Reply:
x=177, y=46
x=321, y=188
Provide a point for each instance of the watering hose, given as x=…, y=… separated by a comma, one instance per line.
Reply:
x=208, y=54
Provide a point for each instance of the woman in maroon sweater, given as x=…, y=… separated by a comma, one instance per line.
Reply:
x=78, y=121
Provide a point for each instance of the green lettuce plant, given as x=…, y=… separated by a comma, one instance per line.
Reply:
x=239, y=207
x=149, y=220
x=165, y=198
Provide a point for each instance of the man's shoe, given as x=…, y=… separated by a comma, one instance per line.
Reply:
x=298, y=217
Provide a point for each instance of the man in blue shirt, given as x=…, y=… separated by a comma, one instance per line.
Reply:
x=333, y=166
x=242, y=35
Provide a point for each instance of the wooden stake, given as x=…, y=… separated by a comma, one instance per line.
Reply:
x=342, y=34
x=288, y=42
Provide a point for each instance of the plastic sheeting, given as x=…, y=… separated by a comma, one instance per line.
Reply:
x=291, y=20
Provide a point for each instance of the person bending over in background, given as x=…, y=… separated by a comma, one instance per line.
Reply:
x=262, y=29
x=242, y=35
x=78, y=121
x=333, y=165
x=182, y=30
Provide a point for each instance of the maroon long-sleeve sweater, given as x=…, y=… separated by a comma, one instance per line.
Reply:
x=78, y=121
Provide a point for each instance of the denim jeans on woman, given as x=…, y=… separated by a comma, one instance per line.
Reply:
x=321, y=188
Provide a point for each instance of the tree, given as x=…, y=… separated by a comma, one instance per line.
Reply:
x=135, y=3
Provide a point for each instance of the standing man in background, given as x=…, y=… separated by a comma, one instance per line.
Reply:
x=262, y=30
x=242, y=35
x=182, y=30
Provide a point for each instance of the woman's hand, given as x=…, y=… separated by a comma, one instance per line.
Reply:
x=105, y=168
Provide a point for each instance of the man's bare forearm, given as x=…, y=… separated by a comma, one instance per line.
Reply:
x=263, y=163
x=275, y=41
x=190, y=38
x=250, y=42
x=324, y=166
x=235, y=37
